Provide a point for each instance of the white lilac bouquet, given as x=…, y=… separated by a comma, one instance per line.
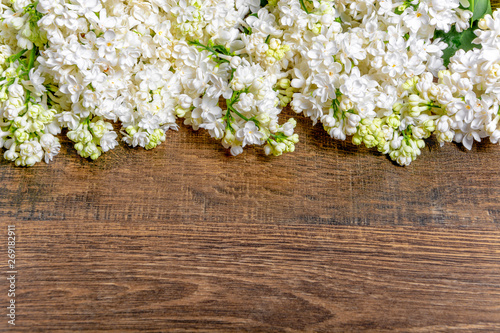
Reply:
x=387, y=74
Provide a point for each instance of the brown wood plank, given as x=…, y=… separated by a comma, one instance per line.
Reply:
x=161, y=276
x=186, y=238
x=192, y=178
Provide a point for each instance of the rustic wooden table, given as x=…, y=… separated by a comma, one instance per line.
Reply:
x=185, y=238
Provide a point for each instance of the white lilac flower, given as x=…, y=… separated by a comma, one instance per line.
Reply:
x=368, y=70
x=50, y=145
x=108, y=141
x=249, y=134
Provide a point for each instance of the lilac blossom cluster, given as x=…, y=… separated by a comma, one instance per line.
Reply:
x=371, y=71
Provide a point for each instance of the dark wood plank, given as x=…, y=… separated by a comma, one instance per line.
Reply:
x=162, y=276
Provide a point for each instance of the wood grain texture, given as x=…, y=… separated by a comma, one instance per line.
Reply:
x=191, y=178
x=184, y=238
x=160, y=276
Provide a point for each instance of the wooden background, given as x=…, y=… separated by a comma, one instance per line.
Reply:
x=184, y=238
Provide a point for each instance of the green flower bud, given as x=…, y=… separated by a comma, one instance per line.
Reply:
x=285, y=100
x=377, y=122
x=21, y=135
x=85, y=136
x=408, y=85
x=98, y=128
x=79, y=146
x=130, y=130
x=34, y=110
x=362, y=130
x=279, y=54
x=229, y=138
x=397, y=107
x=370, y=141
x=160, y=134
x=180, y=112
x=37, y=126
x=444, y=73
x=365, y=121
x=284, y=83
x=3, y=94
x=95, y=155
x=263, y=119
x=393, y=121
x=151, y=145
x=19, y=122
x=357, y=139
x=406, y=148
x=316, y=28
x=429, y=125
x=90, y=149
x=45, y=116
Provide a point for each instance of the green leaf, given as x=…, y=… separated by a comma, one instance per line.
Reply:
x=481, y=8
x=463, y=40
x=466, y=4
x=456, y=41
x=247, y=31
x=221, y=49
x=302, y=4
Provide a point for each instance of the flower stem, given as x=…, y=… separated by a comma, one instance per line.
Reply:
x=304, y=6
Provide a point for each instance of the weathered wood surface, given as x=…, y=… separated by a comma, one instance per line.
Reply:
x=164, y=276
x=183, y=238
x=332, y=238
x=192, y=178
